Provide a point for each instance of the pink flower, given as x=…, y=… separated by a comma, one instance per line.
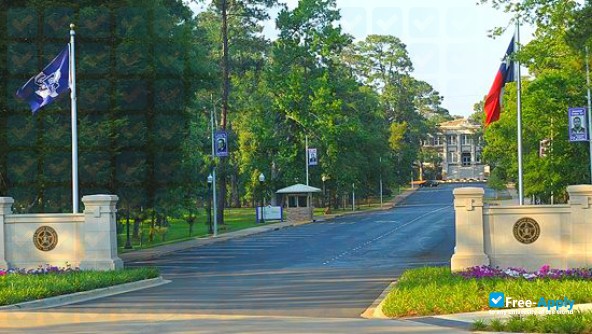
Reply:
x=544, y=270
x=2, y=272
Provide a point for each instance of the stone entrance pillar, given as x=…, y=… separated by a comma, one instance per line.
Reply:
x=580, y=200
x=469, y=250
x=5, y=210
x=100, y=233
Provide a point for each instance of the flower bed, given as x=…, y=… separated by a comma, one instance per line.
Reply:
x=544, y=272
x=43, y=269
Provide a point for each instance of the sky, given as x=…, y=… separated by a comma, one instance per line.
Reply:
x=447, y=41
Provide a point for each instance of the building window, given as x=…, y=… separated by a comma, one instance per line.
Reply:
x=302, y=202
x=466, y=159
x=451, y=140
x=297, y=201
x=452, y=157
x=478, y=157
x=466, y=140
x=437, y=141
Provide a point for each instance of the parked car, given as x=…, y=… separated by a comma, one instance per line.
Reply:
x=431, y=183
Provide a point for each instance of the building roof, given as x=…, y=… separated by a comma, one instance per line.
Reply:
x=459, y=123
x=298, y=189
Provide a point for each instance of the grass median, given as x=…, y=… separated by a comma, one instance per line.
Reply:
x=435, y=290
x=22, y=287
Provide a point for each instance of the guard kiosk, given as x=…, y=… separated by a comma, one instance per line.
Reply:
x=297, y=202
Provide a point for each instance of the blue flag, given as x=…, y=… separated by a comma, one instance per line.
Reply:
x=43, y=88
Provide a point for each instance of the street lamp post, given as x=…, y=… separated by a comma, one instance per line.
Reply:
x=261, y=181
x=380, y=167
x=353, y=197
x=324, y=178
x=210, y=227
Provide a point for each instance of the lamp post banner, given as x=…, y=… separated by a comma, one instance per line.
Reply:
x=312, y=157
x=221, y=142
x=577, y=124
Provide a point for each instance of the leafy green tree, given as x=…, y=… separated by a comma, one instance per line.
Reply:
x=237, y=25
x=558, y=82
x=138, y=64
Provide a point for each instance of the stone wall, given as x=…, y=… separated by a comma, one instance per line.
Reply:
x=298, y=215
x=87, y=240
x=527, y=236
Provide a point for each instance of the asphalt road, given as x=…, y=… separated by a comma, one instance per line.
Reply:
x=326, y=269
x=321, y=276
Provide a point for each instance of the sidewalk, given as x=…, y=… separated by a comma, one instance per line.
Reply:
x=465, y=320
x=155, y=252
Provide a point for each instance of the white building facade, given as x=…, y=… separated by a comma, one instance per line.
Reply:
x=459, y=146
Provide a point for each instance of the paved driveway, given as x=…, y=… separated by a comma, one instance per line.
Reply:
x=327, y=269
x=332, y=269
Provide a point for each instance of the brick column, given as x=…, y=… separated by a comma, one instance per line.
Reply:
x=468, y=207
x=580, y=249
x=100, y=234
x=5, y=210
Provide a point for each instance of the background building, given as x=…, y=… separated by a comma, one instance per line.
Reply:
x=458, y=144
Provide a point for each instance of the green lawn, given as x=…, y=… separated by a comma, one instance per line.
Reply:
x=435, y=290
x=235, y=219
x=16, y=288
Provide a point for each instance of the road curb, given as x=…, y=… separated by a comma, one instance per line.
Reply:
x=374, y=311
x=84, y=296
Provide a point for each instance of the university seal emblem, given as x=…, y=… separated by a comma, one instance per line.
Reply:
x=45, y=238
x=526, y=230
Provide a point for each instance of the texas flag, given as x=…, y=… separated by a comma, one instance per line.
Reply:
x=504, y=74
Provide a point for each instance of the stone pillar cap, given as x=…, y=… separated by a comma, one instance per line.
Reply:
x=580, y=188
x=469, y=191
x=99, y=198
x=7, y=200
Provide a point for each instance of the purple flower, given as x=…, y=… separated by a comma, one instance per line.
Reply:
x=517, y=273
x=40, y=270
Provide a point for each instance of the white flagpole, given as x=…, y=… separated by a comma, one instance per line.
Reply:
x=74, y=123
x=519, y=114
x=589, y=110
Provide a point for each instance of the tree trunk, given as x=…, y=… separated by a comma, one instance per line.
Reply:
x=221, y=195
x=225, y=90
x=225, y=64
x=235, y=196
